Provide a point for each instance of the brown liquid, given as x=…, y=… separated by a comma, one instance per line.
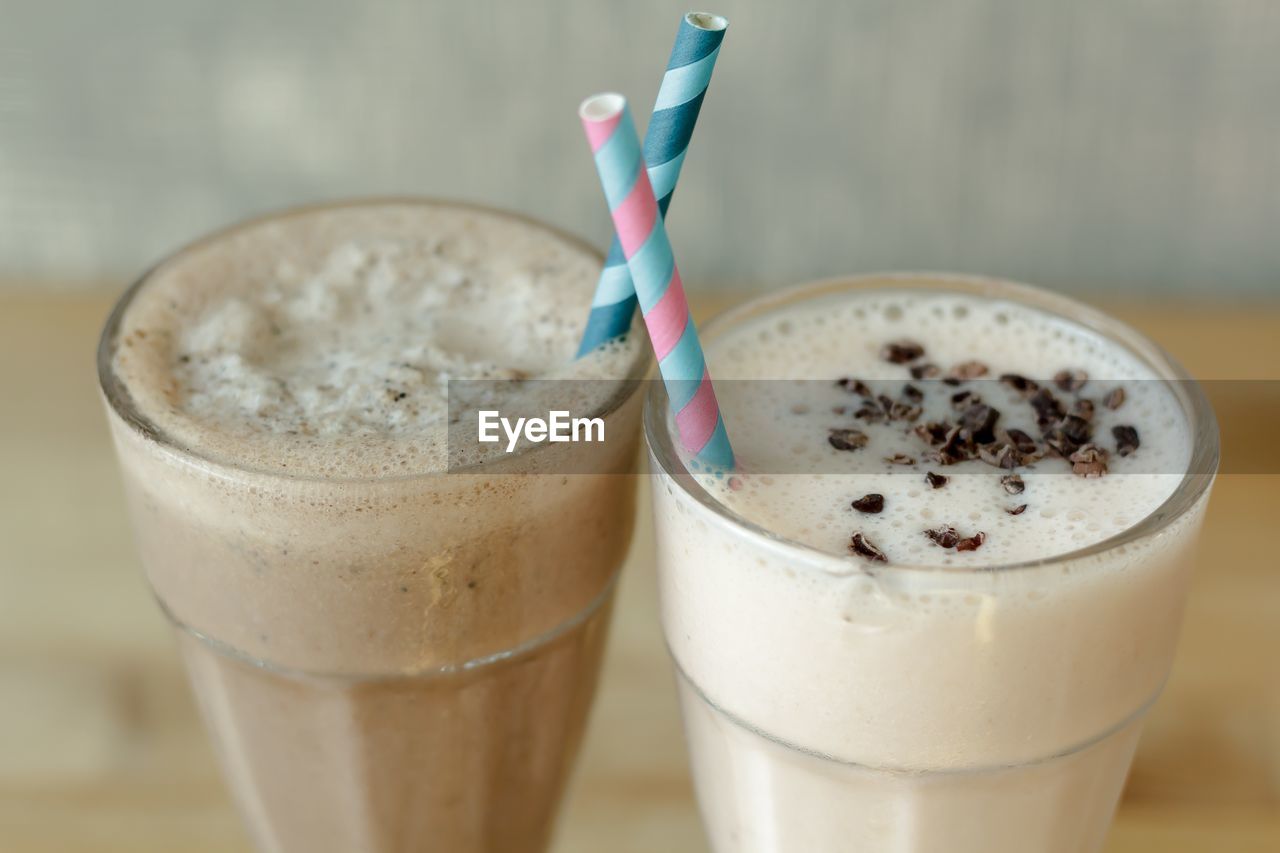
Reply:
x=394, y=664
x=468, y=761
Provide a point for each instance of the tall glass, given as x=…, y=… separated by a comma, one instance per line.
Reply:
x=1004, y=722
x=385, y=663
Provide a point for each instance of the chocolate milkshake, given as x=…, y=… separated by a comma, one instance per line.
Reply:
x=392, y=639
x=931, y=610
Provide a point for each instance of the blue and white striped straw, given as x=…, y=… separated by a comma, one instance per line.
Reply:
x=693, y=57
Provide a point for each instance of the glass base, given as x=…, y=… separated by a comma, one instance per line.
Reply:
x=760, y=796
x=469, y=761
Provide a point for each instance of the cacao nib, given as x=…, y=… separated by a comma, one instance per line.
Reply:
x=1024, y=386
x=1000, y=455
x=978, y=423
x=968, y=370
x=933, y=432
x=855, y=386
x=1048, y=410
x=1070, y=381
x=1021, y=442
x=1089, y=461
x=1126, y=439
x=1114, y=398
x=901, y=351
x=869, y=503
x=1013, y=484
x=863, y=547
x=847, y=439
x=943, y=536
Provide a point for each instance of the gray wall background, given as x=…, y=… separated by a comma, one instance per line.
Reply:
x=1088, y=144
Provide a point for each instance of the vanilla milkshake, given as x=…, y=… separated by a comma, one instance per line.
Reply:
x=391, y=638
x=930, y=610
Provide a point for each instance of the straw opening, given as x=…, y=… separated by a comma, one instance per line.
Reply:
x=707, y=21
x=602, y=107
x=688, y=71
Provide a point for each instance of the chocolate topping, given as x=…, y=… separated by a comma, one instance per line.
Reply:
x=1126, y=439
x=869, y=503
x=1047, y=407
x=847, y=439
x=1021, y=442
x=1000, y=455
x=1070, y=381
x=905, y=412
x=1013, y=484
x=1114, y=398
x=863, y=547
x=978, y=422
x=954, y=449
x=973, y=432
x=1060, y=443
x=1089, y=461
x=871, y=413
x=855, y=386
x=1076, y=428
x=901, y=352
x=1024, y=386
x=933, y=432
x=944, y=536
x=968, y=370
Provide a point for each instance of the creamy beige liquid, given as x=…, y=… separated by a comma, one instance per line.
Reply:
x=390, y=657
x=926, y=704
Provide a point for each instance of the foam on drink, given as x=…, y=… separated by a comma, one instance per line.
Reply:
x=335, y=361
x=782, y=428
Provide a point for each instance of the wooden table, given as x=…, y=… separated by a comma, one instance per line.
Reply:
x=100, y=748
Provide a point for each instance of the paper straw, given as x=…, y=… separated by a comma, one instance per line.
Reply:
x=643, y=238
x=693, y=57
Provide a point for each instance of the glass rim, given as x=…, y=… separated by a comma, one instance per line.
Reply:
x=116, y=394
x=1195, y=482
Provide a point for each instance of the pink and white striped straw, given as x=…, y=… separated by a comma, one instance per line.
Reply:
x=643, y=236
